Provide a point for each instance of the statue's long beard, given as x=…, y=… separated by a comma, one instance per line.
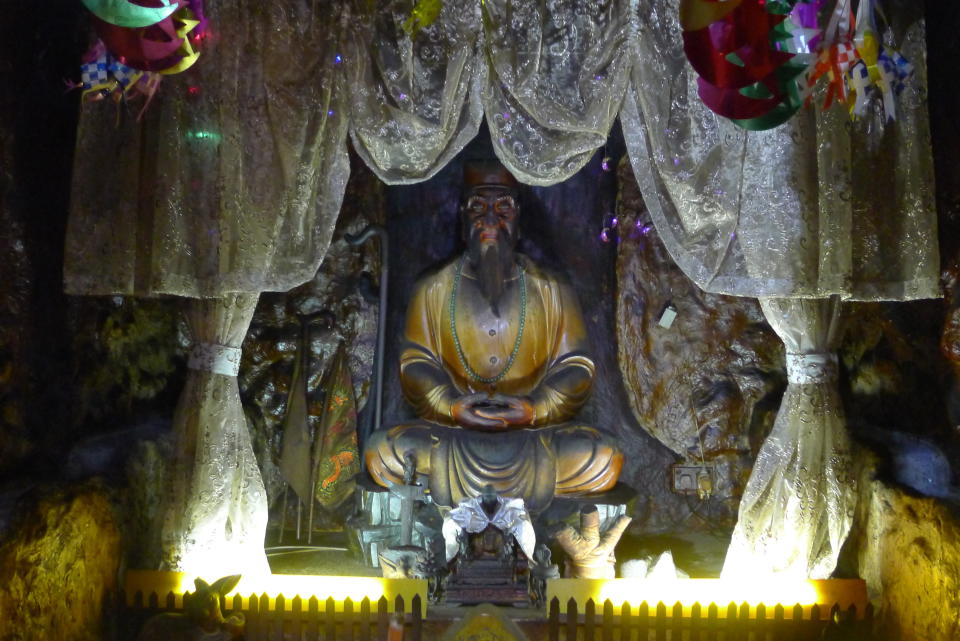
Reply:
x=492, y=265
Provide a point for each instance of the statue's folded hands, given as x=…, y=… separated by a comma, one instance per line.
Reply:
x=494, y=413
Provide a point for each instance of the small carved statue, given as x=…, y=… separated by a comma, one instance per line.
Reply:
x=201, y=620
x=591, y=555
x=543, y=569
x=434, y=572
x=474, y=515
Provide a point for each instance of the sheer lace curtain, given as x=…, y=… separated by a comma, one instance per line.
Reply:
x=414, y=101
x=803, y=215
x=557, y=74
x=232, y=183
x=798, y=505
x=217, y=514
x=549, y=76
x=234, y=179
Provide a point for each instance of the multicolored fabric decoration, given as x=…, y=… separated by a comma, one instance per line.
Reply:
x=163, y=47
x=336, y=458
x=102, y=75
x=751, y=56
x=129, y=14
x=139, y=42
x=836, y=55
x=878, y=70
x=759, y=61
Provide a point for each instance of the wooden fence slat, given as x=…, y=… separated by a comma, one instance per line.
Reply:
x=416, y=617
x=713, y=622
x=365, y=619
x=761, y=623
x=589, y=620
x=251, y=619
x=625, y=621
x=171, y=604
x=348, y=620
x=676, y=621
x=330, y=620
x=383, y=619
x=553, y=623
x=278, y=616
x=778, y=617
x=796, y=624
x=153, y=601
x=571, y=620
x=732, y=622
x=643, y=621
x=744, y=622
x=138, y=599
x=296, y=619
x=852, y=612
x=263, y=627
x=661, y=621
x=313, y=619
x=607, y=625
x=815, y=624
x=696, y=621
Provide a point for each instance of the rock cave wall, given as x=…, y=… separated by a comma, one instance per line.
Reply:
x=907, y=548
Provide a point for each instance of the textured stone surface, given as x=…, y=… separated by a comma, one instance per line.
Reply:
x=142, y=503
x=344, y=285
x=133, y=352
x=15, y=287
x=56, y=565
x=709, y=386
x=908, y=550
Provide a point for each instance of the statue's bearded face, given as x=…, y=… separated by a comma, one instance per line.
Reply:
x=490, y=226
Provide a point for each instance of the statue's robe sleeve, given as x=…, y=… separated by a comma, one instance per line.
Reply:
x=566, y=384
x=425, y=383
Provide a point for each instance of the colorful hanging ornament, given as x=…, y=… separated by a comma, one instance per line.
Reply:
x=122, y=13
x=878, y=69
x=835, y=56
x=424, y=14
x=102, y=75
x=750, y=56
x=163, y=47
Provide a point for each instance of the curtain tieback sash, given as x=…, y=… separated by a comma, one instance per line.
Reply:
x=214, y=358
x=805, y=369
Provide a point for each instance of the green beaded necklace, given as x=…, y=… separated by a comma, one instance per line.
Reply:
x=487, y=380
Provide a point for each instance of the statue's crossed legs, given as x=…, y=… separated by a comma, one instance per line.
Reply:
x=532, y=464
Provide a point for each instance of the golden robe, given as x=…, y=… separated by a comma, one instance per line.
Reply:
x=554, y=455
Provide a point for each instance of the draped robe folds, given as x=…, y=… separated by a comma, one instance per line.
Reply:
x=554, y=455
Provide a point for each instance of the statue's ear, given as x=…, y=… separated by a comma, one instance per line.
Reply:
x=226, y=584
x=201, y=585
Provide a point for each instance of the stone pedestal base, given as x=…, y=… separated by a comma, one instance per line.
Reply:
x=487, y=581
x=376, y=526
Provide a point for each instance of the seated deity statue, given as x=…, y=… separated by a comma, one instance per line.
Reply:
x=495, y=363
